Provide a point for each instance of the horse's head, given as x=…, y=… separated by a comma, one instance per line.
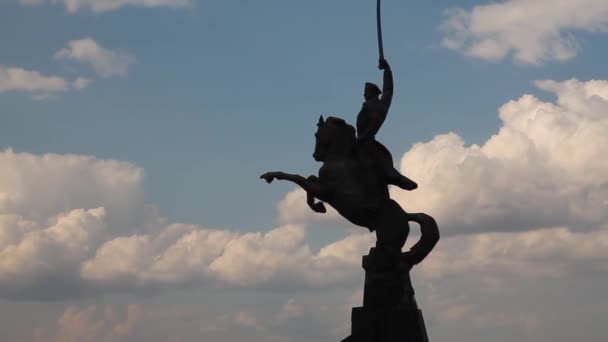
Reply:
x=334, y=139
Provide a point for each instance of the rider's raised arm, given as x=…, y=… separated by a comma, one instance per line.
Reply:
x=385, y=100
x=377, y=116
x=387, y=86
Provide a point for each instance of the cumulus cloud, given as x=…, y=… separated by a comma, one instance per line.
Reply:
x=532, y=286
x=106, y=62
x=80, y=224
x=279, y=258
x=55, y=210
x=99, y=6
x=32, y=257
x=545, y=167
x=533, y=31
x=550, y=253
x=39, y=187
x=35, y=83
x=305, y=318
x=92, y=324
x=81, y=83
x=72, y=224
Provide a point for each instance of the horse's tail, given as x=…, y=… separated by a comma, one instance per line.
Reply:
x=429, y=236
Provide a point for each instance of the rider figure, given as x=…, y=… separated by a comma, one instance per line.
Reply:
x=370, y=119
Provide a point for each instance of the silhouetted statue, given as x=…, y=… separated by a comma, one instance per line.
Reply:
x=357, y=170
x=354, y=180
x=353, y=186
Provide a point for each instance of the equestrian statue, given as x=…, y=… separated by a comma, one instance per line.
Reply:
x=354, y=179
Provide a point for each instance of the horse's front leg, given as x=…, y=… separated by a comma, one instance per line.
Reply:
x=318, y=207
x=311, y=185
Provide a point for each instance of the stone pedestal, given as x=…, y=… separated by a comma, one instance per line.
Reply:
x=389, y=312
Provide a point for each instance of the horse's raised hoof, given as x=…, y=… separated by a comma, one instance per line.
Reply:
x=319, y=207
x=268, y=177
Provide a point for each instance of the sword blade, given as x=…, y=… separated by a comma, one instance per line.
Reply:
x=379, y=25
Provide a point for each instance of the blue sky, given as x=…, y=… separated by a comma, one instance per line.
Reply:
x=212, y=94
x=228, y=89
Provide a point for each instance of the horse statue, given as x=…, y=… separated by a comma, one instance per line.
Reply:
x=357, y=187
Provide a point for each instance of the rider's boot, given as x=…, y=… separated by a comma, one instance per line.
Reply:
x=396, y=178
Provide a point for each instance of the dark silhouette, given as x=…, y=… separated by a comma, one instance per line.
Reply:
x=354, y=186
x=354, y=180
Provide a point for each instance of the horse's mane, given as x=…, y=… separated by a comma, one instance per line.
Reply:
x=342, y=124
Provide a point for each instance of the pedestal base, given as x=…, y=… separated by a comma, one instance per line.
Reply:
x=401, y=324
x=389, y=312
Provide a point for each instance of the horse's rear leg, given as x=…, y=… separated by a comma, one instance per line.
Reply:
x=392, y=228
x=318, y=207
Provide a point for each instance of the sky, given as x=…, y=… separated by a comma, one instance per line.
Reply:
x=133, y=133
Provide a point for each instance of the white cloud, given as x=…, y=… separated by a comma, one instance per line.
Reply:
x=31, y=255
x=106, y=62
x=255, y=257
x=40, y=187
x=551, y=253
x=81, y=83
x=31, y=2
x=90, y=324
x=72, y=224
x=21, y=79
x=35, y=83
x=510, y=285
x=533, y=31
x=98, y=6
x=55, y=210
x=179, y=255
x=75, y=225
x=306, y=318
x=477, y=302
x=545, y=167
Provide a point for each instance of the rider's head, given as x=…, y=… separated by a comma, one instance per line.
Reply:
x=371, y=91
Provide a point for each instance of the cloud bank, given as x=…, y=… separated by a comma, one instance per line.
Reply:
x=522, y=216
x=532, y=31
x=33, y=82
x=100, y=6
x=106, y=62
x=71, y=225
x=533, y=197
x=545, y=167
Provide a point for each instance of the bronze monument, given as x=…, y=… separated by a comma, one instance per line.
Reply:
x=354, y=180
